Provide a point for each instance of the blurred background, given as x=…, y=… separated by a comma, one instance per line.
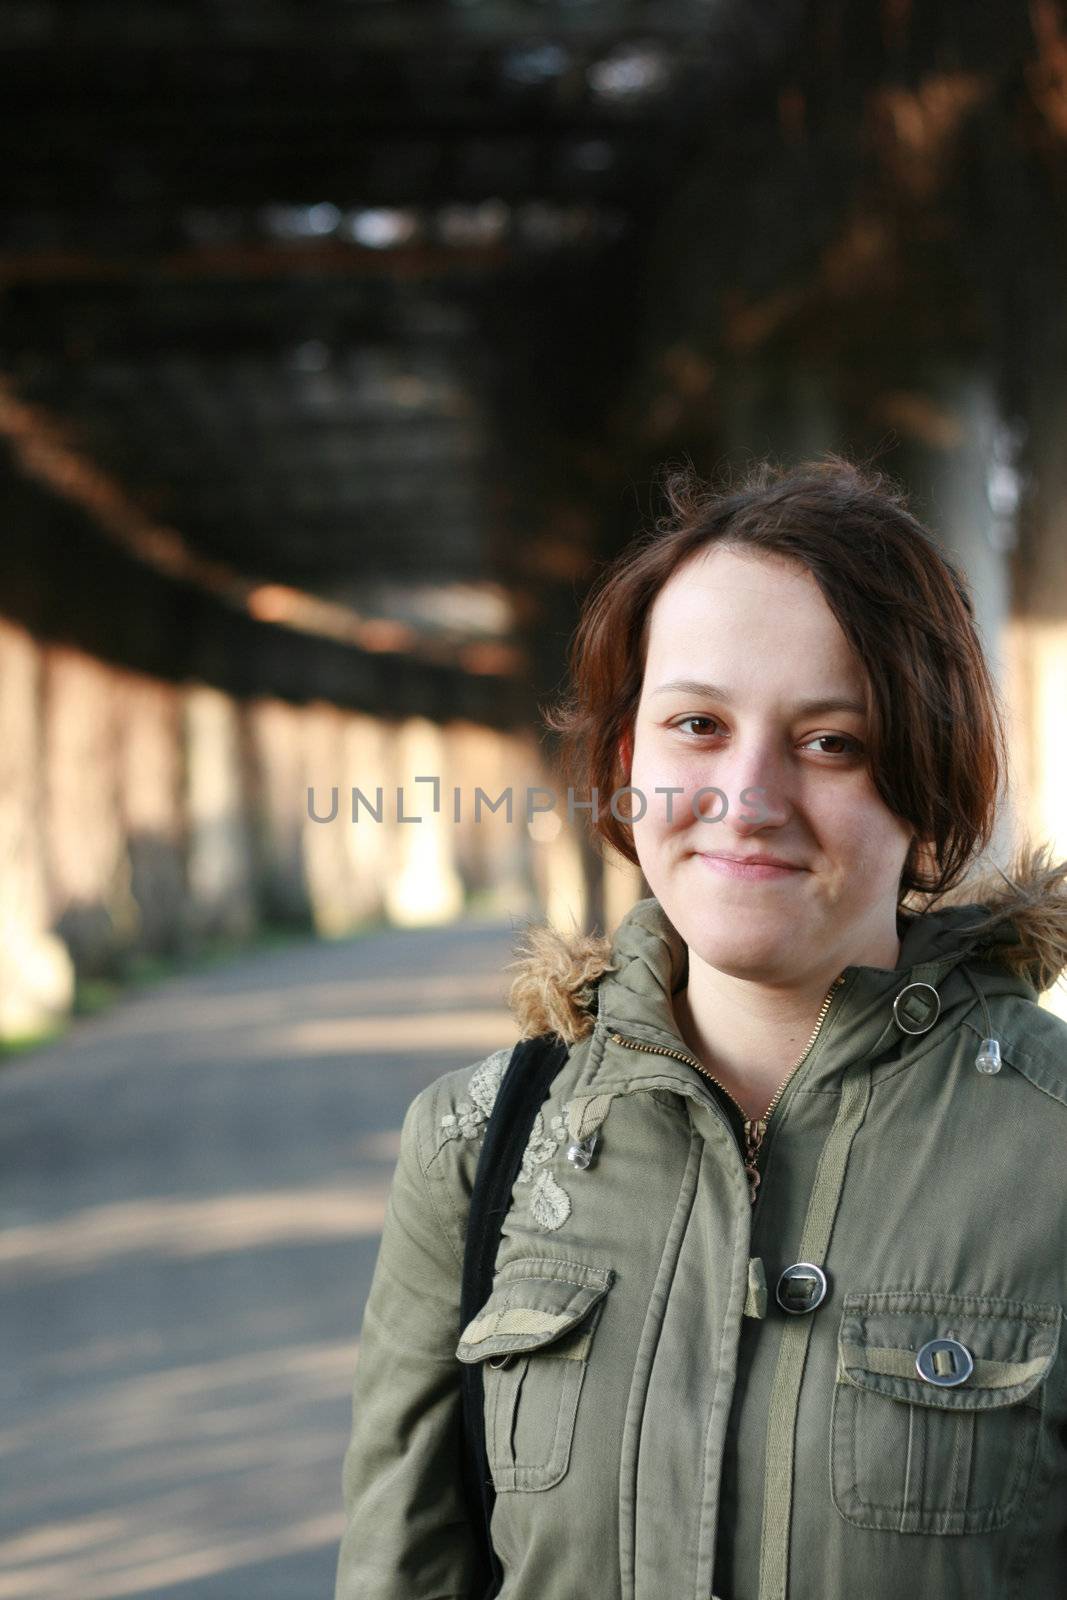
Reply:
x=340, y=343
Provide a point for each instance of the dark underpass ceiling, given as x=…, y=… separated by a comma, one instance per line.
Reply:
x=321, y=313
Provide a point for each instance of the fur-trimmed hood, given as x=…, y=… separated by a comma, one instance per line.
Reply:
x=1016, y=920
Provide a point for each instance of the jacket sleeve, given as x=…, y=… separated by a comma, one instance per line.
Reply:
x=406, y=1534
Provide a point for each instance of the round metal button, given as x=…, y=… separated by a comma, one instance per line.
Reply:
x=503, y=1360
x=801, y=1288
x=945, y=1362
x=900, y=1013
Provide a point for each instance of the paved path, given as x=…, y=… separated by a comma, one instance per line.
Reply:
x=191, y=1193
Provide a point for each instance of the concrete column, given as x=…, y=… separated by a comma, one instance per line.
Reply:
x=89, y=876
x=219, y=845
x=151, y=817
x=276, y=736
x=367, y=766
x=955, y=457
x=560, y=873
x=492, y=847
x=36, y=972
x=425, y=886
x=1037, y=638
x=326, y=849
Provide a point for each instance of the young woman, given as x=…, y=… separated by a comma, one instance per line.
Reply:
x=777, y=1303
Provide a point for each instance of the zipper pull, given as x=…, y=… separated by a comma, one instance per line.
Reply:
x=755, y=1128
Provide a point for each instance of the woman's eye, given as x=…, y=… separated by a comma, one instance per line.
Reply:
x=846, y=745
x=852, y=746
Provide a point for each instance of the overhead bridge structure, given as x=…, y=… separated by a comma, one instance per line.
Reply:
x=342, y=343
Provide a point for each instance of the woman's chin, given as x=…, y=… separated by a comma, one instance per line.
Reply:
x=750, y=947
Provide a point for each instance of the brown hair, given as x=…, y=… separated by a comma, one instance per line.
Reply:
x=936, y=742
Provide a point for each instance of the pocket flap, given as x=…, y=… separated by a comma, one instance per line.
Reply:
x=533, y=1303
x=1012, y=1343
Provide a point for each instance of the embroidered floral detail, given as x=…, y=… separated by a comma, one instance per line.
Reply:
x=470, y=1119
x=486, y=1080
x=550, y=1204
x=542, y=1146
x=470, y=1116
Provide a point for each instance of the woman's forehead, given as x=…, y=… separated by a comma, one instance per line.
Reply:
x=740, y=570
x=727, y=613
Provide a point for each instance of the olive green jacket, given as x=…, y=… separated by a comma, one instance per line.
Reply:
x=663, y=1417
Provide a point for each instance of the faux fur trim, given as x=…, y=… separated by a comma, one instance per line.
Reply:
x=1026, y=926
x=555, y=988
x=1024, y=930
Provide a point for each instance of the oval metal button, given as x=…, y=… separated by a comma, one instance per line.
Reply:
x=503, y=1360
x=945, y=1362
x=918, y=1008
x=801, y=1288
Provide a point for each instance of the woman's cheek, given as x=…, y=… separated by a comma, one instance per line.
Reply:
x=663, y=800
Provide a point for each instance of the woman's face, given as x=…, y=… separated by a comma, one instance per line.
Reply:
x=738, y=641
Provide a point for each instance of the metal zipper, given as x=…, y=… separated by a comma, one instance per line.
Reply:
x=755, y=1127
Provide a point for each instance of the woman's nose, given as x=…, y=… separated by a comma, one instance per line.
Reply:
x=755, y=781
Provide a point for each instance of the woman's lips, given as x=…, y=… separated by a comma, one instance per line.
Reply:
x=750, y=871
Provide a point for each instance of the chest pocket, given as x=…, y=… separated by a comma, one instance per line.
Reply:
x=534, y=1335
x=915, y=1457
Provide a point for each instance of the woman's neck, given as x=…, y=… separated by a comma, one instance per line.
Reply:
x=749, y=1035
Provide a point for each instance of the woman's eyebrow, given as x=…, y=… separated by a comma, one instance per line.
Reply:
x=802, y=708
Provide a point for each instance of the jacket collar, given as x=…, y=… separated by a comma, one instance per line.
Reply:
x=1006, y=937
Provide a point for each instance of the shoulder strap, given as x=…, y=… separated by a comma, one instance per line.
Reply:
x=533, y=1065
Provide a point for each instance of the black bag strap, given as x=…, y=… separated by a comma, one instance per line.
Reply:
x=526, y=1081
